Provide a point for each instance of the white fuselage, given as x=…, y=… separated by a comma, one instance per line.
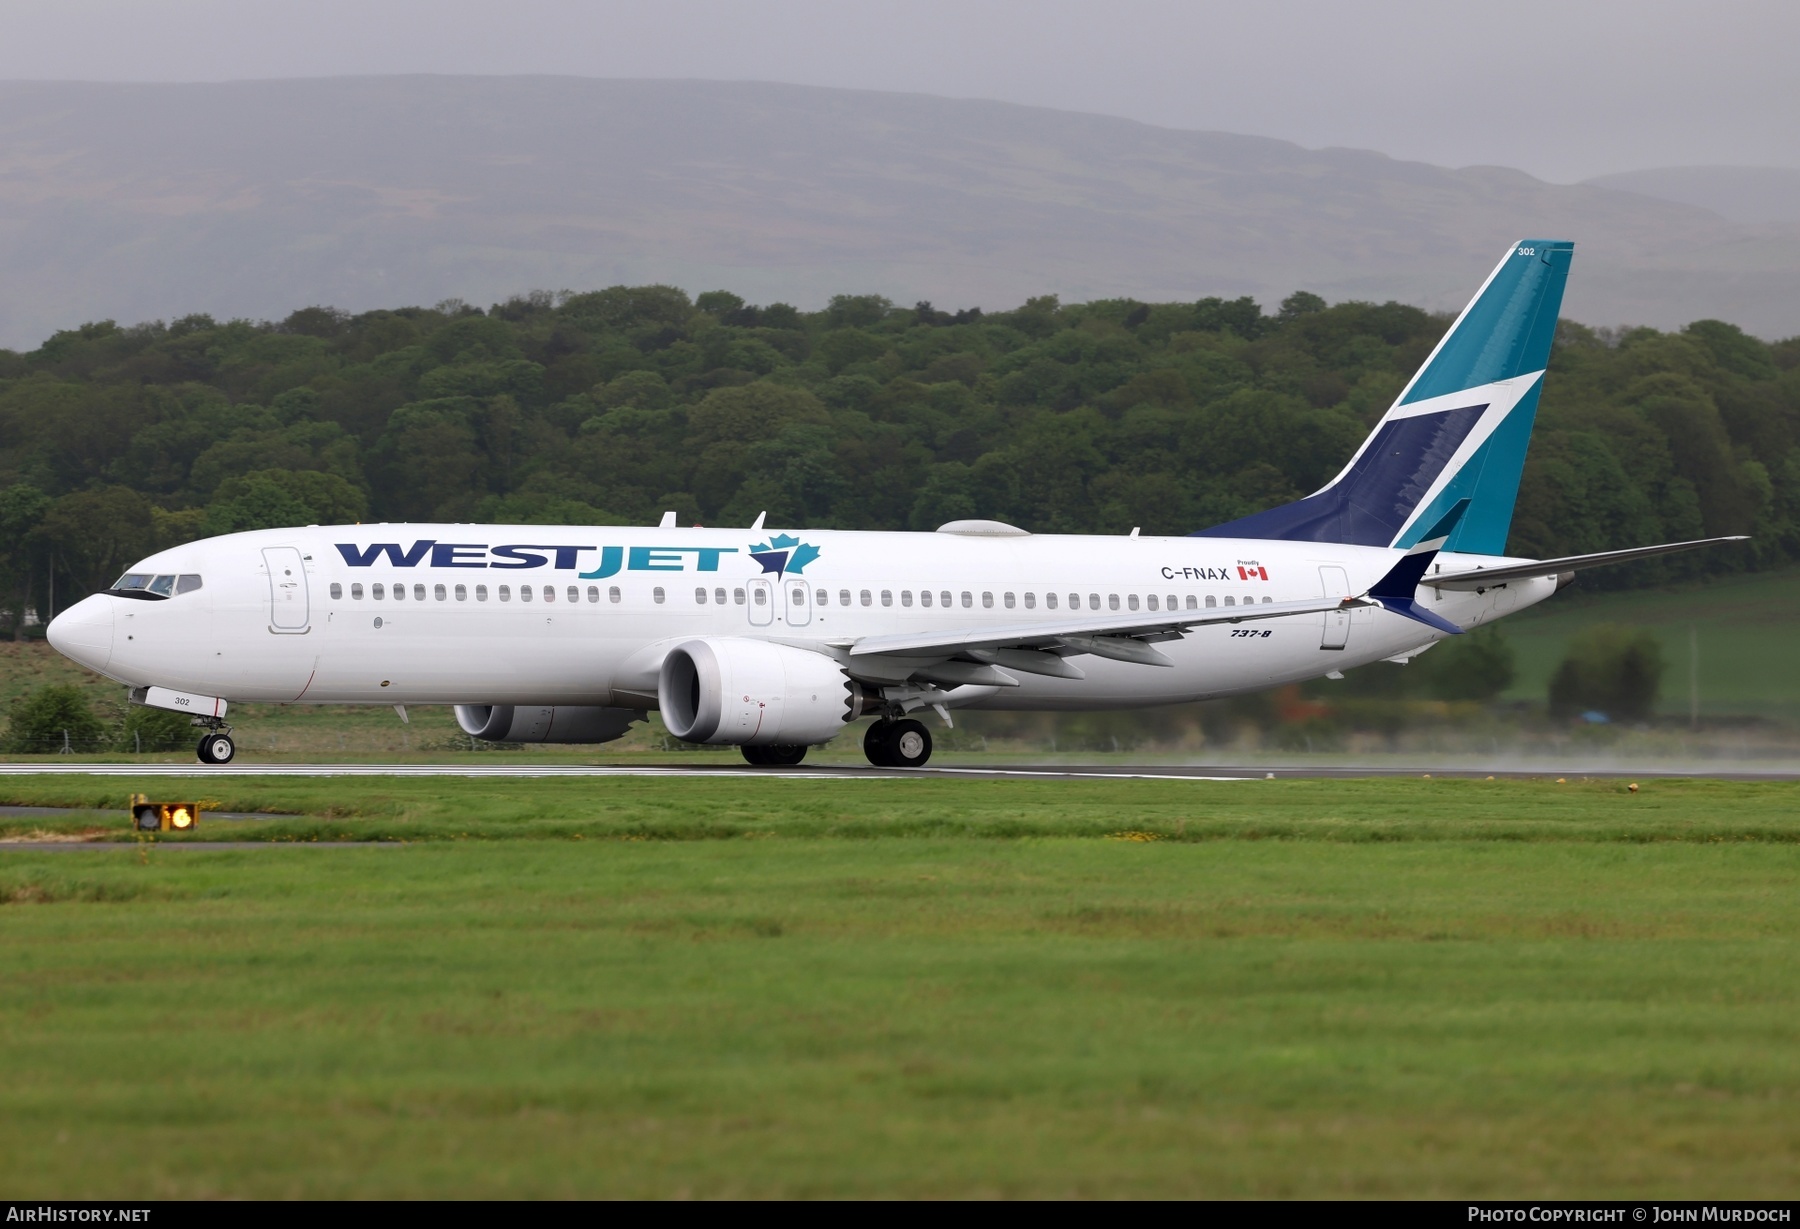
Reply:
x=582, y=616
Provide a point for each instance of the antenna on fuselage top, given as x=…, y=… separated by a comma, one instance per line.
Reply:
x=756, y=525
x=668, y=520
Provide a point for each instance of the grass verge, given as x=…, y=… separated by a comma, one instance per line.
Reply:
x=568, y=988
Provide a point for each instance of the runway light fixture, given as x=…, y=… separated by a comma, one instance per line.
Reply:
x=148, y=816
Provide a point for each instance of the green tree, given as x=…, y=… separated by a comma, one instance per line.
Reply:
x=1609, y=668
x=278, y=499
x=91, y=536
x=1477, y=665
x=51, y=719
x=155, y=729
x=22, y=507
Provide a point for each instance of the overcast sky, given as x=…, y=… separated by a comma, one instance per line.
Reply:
x=1563, y=89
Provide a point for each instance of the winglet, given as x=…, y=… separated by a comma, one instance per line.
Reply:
x=1397, y=591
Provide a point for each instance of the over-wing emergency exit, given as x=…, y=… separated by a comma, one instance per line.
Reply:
x=775, y=641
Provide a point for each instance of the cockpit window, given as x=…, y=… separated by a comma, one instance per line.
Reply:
x=148, y=587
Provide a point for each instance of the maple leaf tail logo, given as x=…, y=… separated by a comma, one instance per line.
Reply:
x=784, y=553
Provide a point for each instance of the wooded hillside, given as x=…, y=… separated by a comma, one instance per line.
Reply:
x=612, y=406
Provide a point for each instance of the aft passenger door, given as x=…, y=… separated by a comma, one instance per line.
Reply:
x=1336, y=583
x=288, y=603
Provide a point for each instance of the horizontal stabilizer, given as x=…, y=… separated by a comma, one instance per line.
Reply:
x=1483, y=578
x=1398, y=590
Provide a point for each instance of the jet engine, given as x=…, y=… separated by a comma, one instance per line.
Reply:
x=506, y=723
x=738, y=691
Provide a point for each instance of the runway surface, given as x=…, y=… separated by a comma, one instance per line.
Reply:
x=850, y=772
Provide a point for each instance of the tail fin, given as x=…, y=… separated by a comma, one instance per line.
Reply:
x=1458, y=431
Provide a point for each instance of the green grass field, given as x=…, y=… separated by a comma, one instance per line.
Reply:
x=1450, y=988
x=1747, y=628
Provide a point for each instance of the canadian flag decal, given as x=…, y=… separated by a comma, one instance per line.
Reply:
x=1245, y=573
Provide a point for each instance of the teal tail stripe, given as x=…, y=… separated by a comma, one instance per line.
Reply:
x=1506, y=330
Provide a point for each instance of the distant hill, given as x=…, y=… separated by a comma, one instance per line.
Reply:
x=252, y=198
x=1752, y=195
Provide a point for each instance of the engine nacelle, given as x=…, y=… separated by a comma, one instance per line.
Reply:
x=738, y=691
x=563, y=723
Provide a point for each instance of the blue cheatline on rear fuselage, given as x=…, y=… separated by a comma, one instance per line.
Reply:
x=1399, y=484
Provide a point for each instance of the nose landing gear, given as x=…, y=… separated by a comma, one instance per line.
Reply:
x=897, y=744
x=216, y=746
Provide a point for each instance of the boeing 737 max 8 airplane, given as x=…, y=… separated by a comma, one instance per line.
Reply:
x=775, y=640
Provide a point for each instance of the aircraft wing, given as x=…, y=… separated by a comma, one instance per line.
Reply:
x=1050, y=633
x=1483, y=578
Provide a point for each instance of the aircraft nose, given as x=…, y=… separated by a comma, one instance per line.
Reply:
x=84, y=632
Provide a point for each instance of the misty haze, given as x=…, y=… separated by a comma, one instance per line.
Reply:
x=249, y=199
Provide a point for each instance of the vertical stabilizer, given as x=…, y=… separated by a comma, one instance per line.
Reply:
x=1458, y=431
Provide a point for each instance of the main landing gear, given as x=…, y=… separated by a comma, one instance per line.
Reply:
x=216, y=746
x=897, y=744
x=773, y=757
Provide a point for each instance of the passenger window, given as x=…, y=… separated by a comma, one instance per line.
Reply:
x=925, y=597
x=615, y=597
x=1175, y=604
x=1151, y=601
x=356, y=593
x=164, y=585
x=1094, y=601
x=440, y=593
x=1211, y=601
x=944, y=599
x=594, y=594
x=987, y=601
x=867, y=600
x=843, y=597
x=719, y=597
x=887, y=597
x=657, y=595
x=462, y=593
x=1010, y=601
x=1112, y=601
x=574, y=593
x=699, y=597
x=506, y=593
x=968, y=599
x=418, y=593
x=1250, y=601
x=762, y=595
x=1049, y=601
x=481, y=593
x=1229, y=600
x=549, y=593
x=1075, y=601
x=822, y=598
x=1268, y=601
x=399, y=593
x=377, y=590
x=906, y=597
x=1131, y=601
x=797, y=595
x=524, y=593
x=187, y=584
x=737, y=596
x=1031, y=601
x=337, y=591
